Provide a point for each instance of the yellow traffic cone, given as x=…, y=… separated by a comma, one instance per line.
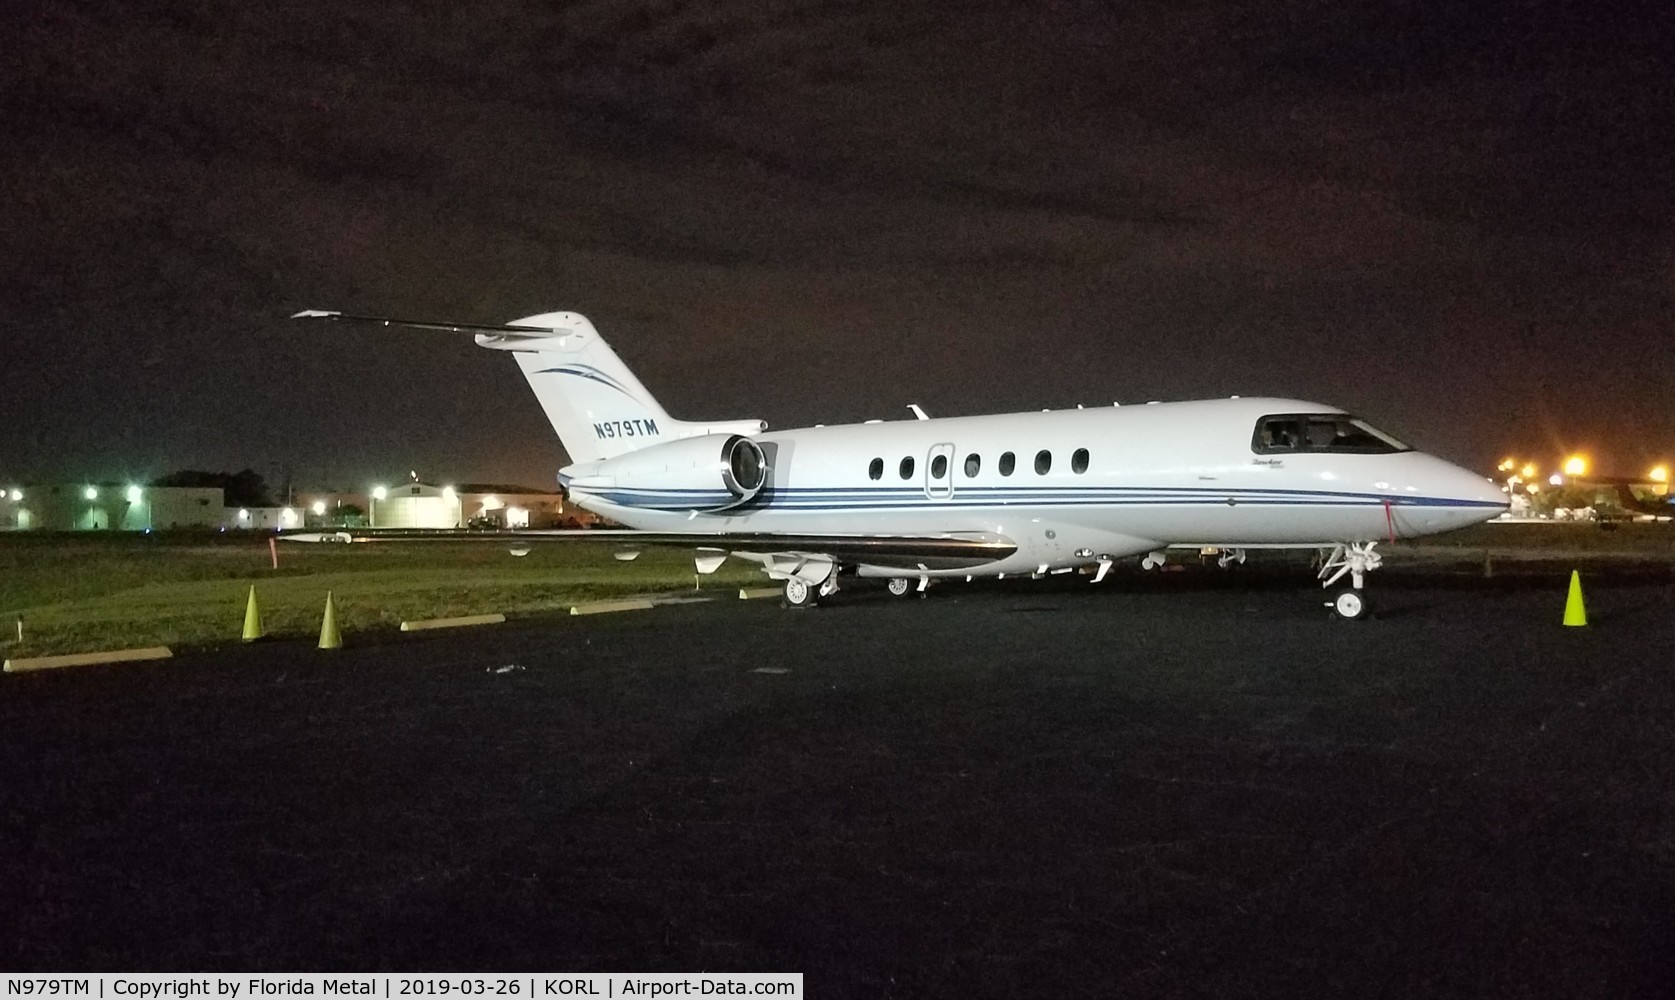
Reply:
x=1574, y=611
x=329, y=637
x=252, y=619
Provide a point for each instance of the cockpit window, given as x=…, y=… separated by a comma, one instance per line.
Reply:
x=1332, y=433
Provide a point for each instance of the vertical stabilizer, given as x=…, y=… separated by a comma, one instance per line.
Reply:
x=595, y=403
x=597, y=406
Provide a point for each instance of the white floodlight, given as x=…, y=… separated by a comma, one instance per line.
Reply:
x=134, y=494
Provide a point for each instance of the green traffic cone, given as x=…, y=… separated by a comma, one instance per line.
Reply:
x=329, y=637
x=252, y=619
x=1575, y=612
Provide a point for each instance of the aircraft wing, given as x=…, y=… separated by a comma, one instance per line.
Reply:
x=947, y=551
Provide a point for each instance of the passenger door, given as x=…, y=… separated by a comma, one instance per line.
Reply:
x=939, y=472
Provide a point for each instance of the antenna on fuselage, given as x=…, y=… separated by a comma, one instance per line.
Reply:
x=917, y=412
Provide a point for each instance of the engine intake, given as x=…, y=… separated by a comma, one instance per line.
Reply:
x=706, y=473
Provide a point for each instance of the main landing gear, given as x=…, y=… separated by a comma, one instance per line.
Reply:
x=1354, y=560
x=799, y=593
x=902, y=586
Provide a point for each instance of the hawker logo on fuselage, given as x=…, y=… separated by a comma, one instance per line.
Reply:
x=625, y=429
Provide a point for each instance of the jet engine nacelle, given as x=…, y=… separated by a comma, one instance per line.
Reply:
x=704, y=473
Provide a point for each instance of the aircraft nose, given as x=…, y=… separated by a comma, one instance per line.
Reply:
x=1468, y=486
x=1453, y=497
x=1471, y=497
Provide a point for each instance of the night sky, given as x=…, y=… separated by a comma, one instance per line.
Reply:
x=1454, y=218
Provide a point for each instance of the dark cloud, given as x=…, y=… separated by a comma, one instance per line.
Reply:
x=1453, y=216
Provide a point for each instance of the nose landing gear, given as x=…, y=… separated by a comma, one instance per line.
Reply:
x=1349, y=604
x=1354, y=560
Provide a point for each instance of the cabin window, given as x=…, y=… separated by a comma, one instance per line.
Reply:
x=1079, y=461
x=876, y=469
x=907, y=467
x=1043, y=462
x=1007, y=461
x=1330, y=433
x=972, y=465
x=939, y=466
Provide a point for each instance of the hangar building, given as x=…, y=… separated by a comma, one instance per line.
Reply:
x=109, y=507
x=500, y=505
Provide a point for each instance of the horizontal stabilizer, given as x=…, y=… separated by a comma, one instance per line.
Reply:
x=515, y=332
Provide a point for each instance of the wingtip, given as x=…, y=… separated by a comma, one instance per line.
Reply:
x=315, y=314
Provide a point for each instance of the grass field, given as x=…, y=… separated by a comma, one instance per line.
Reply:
x=1642, y=540
x=80, y=592
x=85, y=592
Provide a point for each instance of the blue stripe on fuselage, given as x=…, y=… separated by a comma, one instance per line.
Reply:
x=914, y=498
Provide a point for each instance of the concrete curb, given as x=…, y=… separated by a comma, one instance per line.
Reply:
x=604, y=607
x=748, y=593
x=87, y=659
x=427, y=623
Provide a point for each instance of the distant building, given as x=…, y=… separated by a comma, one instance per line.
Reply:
x=126, y=507
x=108, y=507
x=331, y=508
x=427, y=505
x=415, y=505
x=481, y=505
x=261, y=518
x=503, y=505
x=175, y=507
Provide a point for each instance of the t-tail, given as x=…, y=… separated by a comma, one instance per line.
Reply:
x=594, y=402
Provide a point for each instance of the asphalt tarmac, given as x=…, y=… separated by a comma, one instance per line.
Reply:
x=1197, y=785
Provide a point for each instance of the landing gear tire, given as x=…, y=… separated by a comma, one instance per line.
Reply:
x=1350, y=604
x=799, y=593
x=900, y=586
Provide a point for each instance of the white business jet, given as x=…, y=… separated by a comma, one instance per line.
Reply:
x=1026, y=494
